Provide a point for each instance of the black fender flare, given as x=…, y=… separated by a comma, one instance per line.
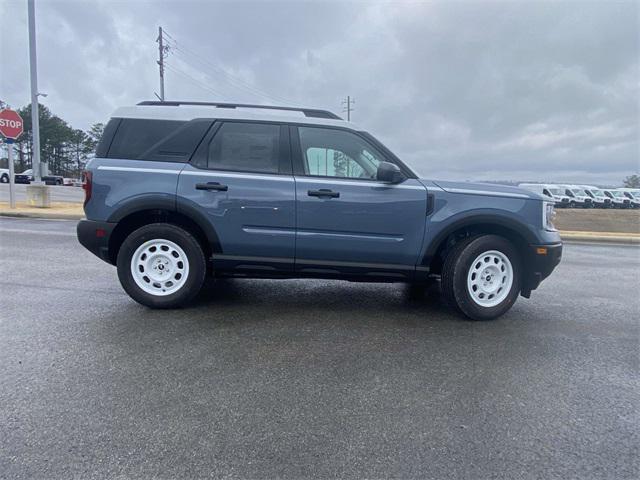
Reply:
x=477, y=217
x=173, y=204
x=150, y=201
x=194, y=212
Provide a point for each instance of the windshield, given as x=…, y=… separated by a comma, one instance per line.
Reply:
x=579, y=192
x=618, y=194
x=556, y=191
x=598, y=193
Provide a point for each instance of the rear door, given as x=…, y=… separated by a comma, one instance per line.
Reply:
x=240, y=179
x=347, y=221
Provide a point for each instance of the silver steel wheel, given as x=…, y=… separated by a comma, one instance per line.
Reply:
x=159, y=267
x=490, y=278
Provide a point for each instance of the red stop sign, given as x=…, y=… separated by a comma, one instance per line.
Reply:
x=11, y=124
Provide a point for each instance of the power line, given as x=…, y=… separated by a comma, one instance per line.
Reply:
x=230, y=79
x=201, y=84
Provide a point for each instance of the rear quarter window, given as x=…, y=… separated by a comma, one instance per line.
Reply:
x=107, y=137
x=136, y=136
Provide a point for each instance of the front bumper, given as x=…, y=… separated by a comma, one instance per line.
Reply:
x=94, y=236
x=540, y=261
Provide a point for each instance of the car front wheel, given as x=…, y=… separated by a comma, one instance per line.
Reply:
x=4, y=178
x=161, y=266
x=481, y=276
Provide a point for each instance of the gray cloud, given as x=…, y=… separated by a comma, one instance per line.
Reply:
x=466, y=90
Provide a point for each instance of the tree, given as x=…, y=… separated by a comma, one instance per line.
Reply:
x=632, y=181
x=93, y=137
x=62, y=147
x=79, y=151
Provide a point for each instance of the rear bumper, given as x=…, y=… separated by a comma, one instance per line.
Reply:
x=94, y=236
x=541, y=261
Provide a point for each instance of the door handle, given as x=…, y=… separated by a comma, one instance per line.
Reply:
x=323, y=192
x=212, y=186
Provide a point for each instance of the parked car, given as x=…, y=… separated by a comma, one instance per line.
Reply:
x=53, y=180
x=551, y=192
x=618, y=198
x=600, y=200
x=632, y=195
x=4, y=175
x=24, y=177
x=577, y=196
x=180, y=189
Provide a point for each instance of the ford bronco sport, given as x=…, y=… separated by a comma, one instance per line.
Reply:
x=181, y=190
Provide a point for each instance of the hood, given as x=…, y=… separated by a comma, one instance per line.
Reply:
x=486, y=189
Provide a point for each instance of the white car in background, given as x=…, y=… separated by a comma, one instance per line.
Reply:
x=632, y=194
x=577, y=196
x=550, y=191
x=600, y=200
x=618, y=198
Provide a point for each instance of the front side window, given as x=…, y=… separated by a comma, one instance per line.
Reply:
x=245, y=147
x=336, y=153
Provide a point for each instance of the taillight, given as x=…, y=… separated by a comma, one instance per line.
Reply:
x=86, y=186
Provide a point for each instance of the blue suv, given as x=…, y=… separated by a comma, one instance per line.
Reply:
x=182, y=190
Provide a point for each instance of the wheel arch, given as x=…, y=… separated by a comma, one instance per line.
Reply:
x=188, y=218
x=514, y=231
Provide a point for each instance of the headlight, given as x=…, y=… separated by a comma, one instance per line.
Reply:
x=548, y=216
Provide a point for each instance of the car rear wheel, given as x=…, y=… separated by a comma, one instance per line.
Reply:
x=481, y=276
x=4, y=178
x=161, y=266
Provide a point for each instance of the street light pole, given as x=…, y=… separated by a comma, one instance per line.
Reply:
x=35, y=115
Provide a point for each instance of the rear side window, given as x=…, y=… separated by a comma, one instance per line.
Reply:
x=135, y=137
x=245, y=147
x=107, y=136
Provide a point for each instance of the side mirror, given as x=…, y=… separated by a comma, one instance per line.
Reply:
x=389, y=173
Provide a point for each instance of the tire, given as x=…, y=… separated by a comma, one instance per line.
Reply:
x=175, y=270
x=4, y=178
x=469, y=257
x=572, y=204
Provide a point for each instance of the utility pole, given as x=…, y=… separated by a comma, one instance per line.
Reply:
x=161, y=51
x=347, y=107
x=35, y=115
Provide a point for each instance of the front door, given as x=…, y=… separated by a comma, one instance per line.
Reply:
x=241, y=180
x=347, y=221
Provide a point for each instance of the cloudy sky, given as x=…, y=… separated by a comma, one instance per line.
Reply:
x=460, y=90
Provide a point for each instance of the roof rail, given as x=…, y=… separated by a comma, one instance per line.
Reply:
x=308, y=112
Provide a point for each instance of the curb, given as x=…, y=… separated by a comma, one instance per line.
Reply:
x=598, y=237
x=43, y=215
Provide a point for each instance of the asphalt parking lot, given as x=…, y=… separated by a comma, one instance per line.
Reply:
x=302, y=379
